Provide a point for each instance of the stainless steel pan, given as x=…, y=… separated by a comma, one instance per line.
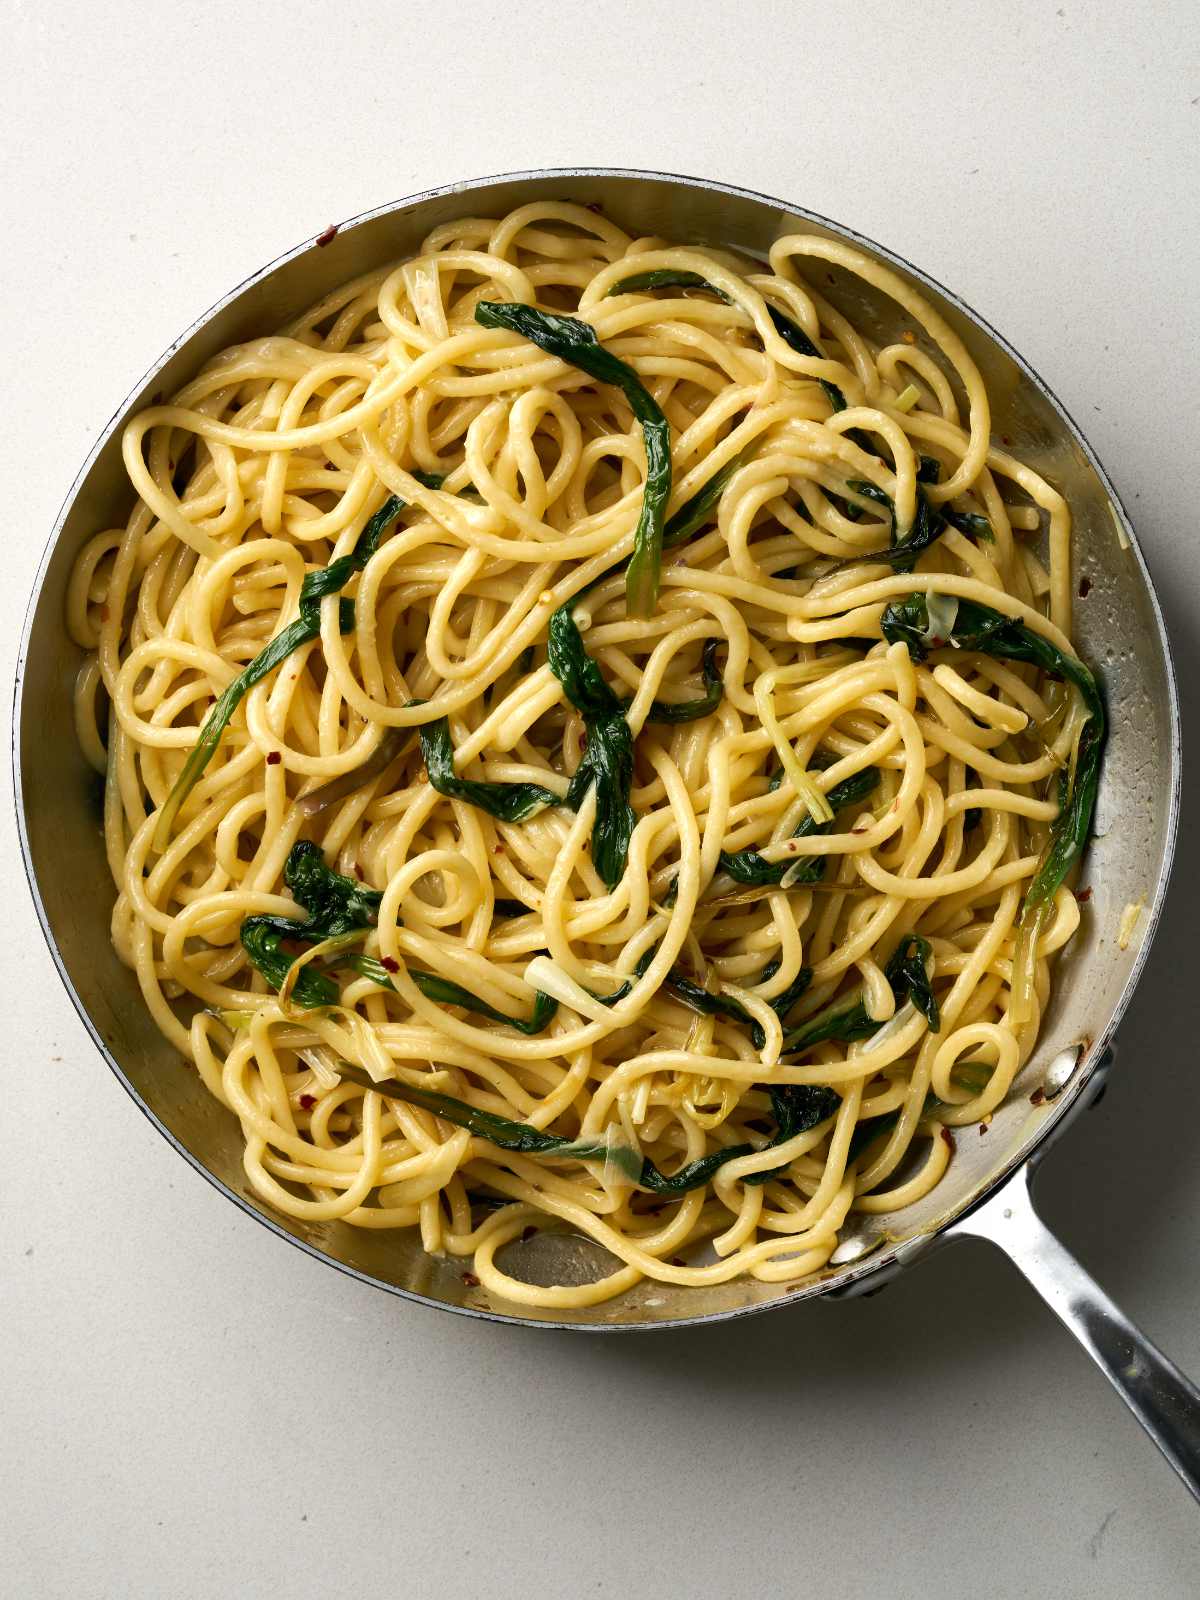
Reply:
x=985, y=1192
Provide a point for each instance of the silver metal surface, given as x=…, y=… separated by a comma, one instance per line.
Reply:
x=1165, y=1402
x=1118, y=626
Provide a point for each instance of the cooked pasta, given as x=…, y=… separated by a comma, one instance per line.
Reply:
x=592, y=743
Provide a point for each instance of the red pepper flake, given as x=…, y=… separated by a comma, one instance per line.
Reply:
x=471, y=1281
x=307, y=1102
x=1004, y=439
x=274, y=758
x=1085, y=587
x=527, y=1233
x=983, y=1128
x=1036, y=1098
x=909, y=336
x=103, y=613
x=389, y=964
x=497, y=849
x=330, y=234
x=1083, y=896
x=358, y=873
x=947, y=1136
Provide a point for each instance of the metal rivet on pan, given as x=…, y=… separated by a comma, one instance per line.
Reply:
x=1058, y=1073
x=854, y=1248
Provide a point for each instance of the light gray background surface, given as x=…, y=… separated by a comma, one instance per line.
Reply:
x=188, y=1408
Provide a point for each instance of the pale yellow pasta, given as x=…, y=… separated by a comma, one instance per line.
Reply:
x=269, y=464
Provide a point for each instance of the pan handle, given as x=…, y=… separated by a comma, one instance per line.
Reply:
x=1166, y=1403
x=1164, y=1400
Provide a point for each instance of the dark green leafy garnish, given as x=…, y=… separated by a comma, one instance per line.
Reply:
x=626, y=987
x=783, y=1002
x=697, y=998
x=507, y=802
x=504, y=1132
x=798, y=1108
x=846, y=1019
x=263, y=938
x=751, y=868
x=970, y=523
x=694, y=513
x=927, y=526
x=334, y=578
x=447, y=993
x=675, y=711
x=335, y=905
x=391, y=746
x=793, y=334
x=509, y=908
x=908, y=974
x=979, y=627
x=708, y=1004
x=664, y=278
x=574, y=341
x=607, y=759
x=871, y=1128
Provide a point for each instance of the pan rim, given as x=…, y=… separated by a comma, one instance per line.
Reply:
x=883, y=1261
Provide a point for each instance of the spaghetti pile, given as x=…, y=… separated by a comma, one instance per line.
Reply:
x=591, y=742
